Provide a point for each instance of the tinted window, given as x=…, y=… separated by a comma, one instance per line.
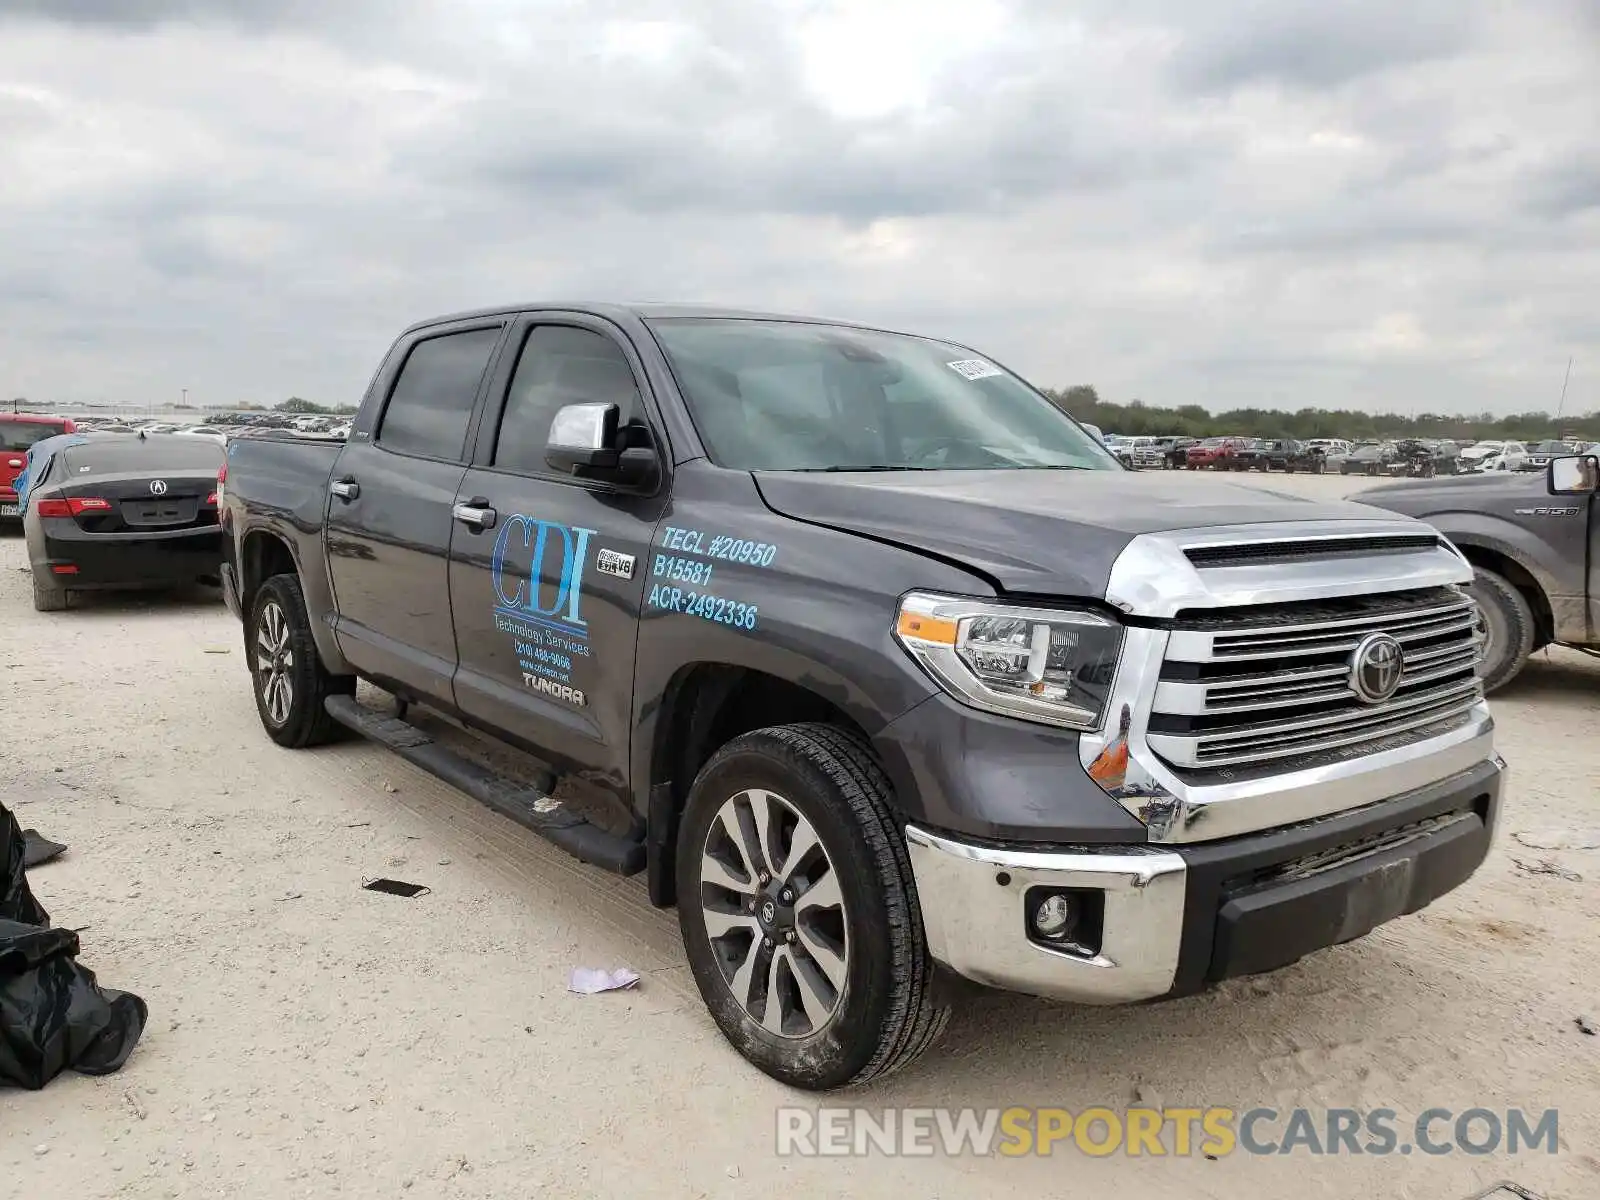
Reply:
x=784, y=396
x=19, y=435
x=157, y=452
x=561, y=365
x=431, y=404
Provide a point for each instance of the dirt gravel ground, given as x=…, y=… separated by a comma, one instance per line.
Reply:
x=309, y=1038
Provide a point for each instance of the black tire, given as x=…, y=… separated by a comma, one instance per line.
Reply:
x=890, y=1008
x=302, y=720
x=1508, y=627
x=47, y=597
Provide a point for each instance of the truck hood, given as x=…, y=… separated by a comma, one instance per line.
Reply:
x=1421, y=496
x=1035, y=532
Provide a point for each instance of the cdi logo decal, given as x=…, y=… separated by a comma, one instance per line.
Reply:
x=530, y=553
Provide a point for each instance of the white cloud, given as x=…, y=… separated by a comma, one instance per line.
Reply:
x=1363, y=204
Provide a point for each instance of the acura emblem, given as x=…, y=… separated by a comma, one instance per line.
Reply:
x=1375, y=668
x=158, y=487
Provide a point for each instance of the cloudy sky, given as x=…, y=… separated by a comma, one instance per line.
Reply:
x=1388, y=204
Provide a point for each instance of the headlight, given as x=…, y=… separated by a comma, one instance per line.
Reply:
x=1048, y=665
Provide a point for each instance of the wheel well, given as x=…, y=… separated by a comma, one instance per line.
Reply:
x=706, y=706
x=262, y=556
x=1522, y=579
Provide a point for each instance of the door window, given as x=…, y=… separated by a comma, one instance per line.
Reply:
x=561, y=365
x=431, y=405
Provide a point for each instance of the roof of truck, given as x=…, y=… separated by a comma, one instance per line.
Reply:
x=640, y=311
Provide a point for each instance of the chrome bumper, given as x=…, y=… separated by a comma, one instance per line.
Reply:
x=974, y=913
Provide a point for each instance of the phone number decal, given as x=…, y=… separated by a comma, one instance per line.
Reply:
x=698, y=604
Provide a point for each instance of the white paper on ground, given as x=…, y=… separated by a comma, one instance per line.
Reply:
x=586, y=981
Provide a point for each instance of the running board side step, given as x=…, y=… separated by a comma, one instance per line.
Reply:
x=527, y=806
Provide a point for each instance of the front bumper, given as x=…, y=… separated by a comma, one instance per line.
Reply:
x=1177, y=919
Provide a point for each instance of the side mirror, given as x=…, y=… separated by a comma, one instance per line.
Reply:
x=582, y=435
x=584, y=441
x=1574, y=475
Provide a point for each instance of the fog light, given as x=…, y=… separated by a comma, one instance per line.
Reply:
x=1055, y=918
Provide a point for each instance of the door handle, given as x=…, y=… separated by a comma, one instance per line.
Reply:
x=346, y=489
x=476, y=515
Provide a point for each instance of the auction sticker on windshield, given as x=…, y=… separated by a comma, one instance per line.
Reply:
x=974, y=368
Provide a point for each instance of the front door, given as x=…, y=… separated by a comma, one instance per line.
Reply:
x=547, y=571
x=389, y=524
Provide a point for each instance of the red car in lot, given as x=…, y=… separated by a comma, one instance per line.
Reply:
x=1214, y=452
x=19, y=431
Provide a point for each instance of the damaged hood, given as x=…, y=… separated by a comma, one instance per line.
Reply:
x=1041, y=532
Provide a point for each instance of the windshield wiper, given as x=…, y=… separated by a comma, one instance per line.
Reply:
x=872, y=467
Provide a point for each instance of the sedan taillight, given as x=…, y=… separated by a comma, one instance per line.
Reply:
x=72, y=506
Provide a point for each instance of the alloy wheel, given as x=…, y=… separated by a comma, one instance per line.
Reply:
x=774, y=914
x=274, y=663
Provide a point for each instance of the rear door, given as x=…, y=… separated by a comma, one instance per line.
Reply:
x=547, y=597
x=388, y=525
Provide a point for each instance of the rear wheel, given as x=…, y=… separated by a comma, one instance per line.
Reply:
x=799, y=912
x=289, y=679
x=1507, y=627
x=47, y=597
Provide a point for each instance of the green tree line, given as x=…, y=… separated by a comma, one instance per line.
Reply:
x=1190, y=420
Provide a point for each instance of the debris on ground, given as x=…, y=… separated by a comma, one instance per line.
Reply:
x=587, y=981
x=38, y=850
x=1557, y=839
x=1546, y=867
x=54, y=1016
x=395, y=887
x=1585, y=1026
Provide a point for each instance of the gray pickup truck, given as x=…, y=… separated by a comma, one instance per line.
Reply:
x=1534, y=546
x=876, y=664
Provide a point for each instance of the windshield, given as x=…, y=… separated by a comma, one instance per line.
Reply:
x=1372, y=451
x=1484, y=448
x=792, y=396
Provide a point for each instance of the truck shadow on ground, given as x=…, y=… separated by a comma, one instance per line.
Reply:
x=1306, y=1034
x=196, y=597
x=1546, y=678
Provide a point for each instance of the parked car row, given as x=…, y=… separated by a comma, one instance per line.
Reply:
x=1397, y=456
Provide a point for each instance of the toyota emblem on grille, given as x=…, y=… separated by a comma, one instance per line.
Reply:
x=158, y=487
x=1375, y=668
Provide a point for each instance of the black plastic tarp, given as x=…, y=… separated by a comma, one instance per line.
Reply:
x=16, y=901
x=54, y=1016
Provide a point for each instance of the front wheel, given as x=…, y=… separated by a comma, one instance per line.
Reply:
x=799, y=912
x=1507, y=626
x=291, y=684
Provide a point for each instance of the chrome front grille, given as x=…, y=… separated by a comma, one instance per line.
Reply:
x=1269, y=683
